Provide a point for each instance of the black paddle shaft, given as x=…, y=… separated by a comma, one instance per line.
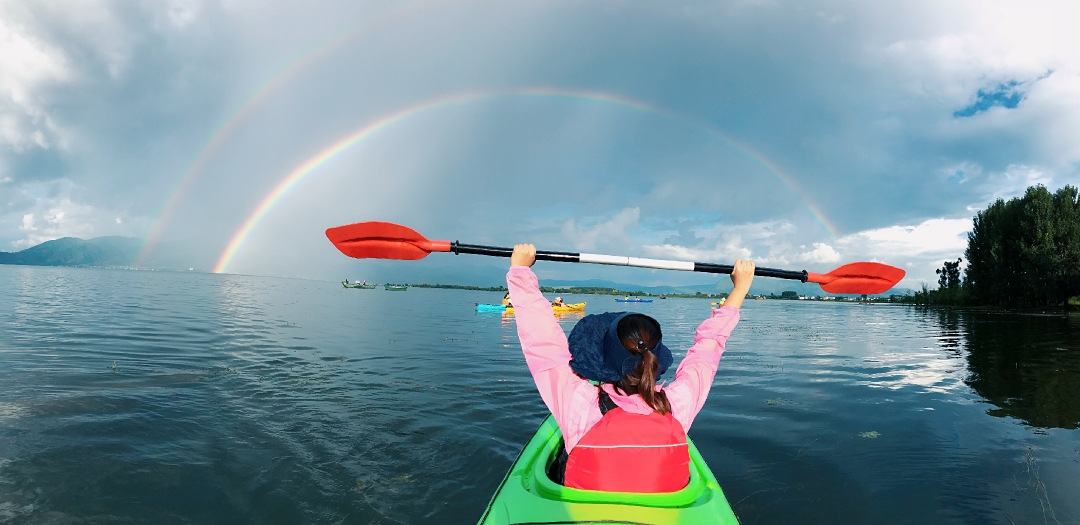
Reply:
x=762, y=272
x=497, y=251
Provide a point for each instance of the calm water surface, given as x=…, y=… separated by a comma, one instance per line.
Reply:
x=146, y=397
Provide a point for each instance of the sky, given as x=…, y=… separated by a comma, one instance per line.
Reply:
x=800, y=135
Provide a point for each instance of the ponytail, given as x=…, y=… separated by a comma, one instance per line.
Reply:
x=639, y=335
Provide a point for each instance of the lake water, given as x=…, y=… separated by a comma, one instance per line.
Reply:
x=151, y=397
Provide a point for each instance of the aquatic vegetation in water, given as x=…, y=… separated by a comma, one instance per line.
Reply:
x=873, y=434
x=776, y=401
x=1040, y=488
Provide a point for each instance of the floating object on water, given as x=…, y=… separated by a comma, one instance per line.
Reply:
x=386, y=240
x=347, y=284
x=490, y=308
x=635, y=300
x=395, y=287
x=528, y=494
x=565, y=309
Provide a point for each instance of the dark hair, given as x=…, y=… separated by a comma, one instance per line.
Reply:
x=639, y=335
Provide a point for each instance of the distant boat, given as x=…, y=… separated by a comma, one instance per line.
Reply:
x=346, y=284
x=663, y=297
x=633, y=300
x=395, y=287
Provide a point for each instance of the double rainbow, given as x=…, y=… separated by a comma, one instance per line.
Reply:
x=310, y=165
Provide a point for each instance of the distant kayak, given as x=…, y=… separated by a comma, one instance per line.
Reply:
x=633, y=300
x=358, y=285
x=395, y=288
x=528, y=494
x=577, y=307
x=566, y=309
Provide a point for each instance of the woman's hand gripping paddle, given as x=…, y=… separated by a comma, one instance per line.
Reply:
x=385, y=240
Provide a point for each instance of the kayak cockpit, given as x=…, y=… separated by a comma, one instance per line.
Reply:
x=529, y=494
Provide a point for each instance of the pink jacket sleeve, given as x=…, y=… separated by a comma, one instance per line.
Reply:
x=693, y=379
x=571, y=399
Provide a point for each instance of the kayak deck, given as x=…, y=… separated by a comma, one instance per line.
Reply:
x=528, y=495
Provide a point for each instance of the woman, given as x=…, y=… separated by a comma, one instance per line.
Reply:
x=625, y=435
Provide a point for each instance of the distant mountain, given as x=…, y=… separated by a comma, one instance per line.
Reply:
x=71, y=251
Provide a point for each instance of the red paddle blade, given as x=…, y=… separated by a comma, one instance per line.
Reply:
x=383, y=240
x=859, y=277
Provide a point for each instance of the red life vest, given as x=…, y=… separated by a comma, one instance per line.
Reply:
x=626, y=452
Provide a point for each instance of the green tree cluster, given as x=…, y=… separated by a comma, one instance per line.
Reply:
x=1023, y=252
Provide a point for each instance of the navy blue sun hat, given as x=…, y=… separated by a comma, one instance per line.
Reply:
x=598, y=355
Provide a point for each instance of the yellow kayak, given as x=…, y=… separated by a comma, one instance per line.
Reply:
x=576, y=307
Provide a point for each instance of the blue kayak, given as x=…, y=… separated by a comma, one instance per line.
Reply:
x=633, y=300
x=490, y=308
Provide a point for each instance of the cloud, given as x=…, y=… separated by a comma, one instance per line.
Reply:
x=1013, y=182
x=821, y=254
x=62, y=218
x=608, y=233
x=766, y=243
x=919, y=248
x=51, y=210
x=27, y=67
x=183, y=12
x=686, y=237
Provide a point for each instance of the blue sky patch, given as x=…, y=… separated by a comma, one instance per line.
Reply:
x=956, y=178
x=1006, y=95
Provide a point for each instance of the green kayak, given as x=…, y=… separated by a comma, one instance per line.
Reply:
x=528, y=495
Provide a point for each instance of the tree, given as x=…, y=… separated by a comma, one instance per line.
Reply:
x=949, y=275
x=1025, y=252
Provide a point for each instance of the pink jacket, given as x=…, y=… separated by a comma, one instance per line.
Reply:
x=573, y=400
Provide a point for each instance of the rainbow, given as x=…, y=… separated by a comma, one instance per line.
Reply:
x=310, y=165
x=291, y=69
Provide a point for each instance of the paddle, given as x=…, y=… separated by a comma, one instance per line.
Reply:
x=385, y=240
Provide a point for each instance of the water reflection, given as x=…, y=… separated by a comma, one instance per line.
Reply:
x=1028, y=366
